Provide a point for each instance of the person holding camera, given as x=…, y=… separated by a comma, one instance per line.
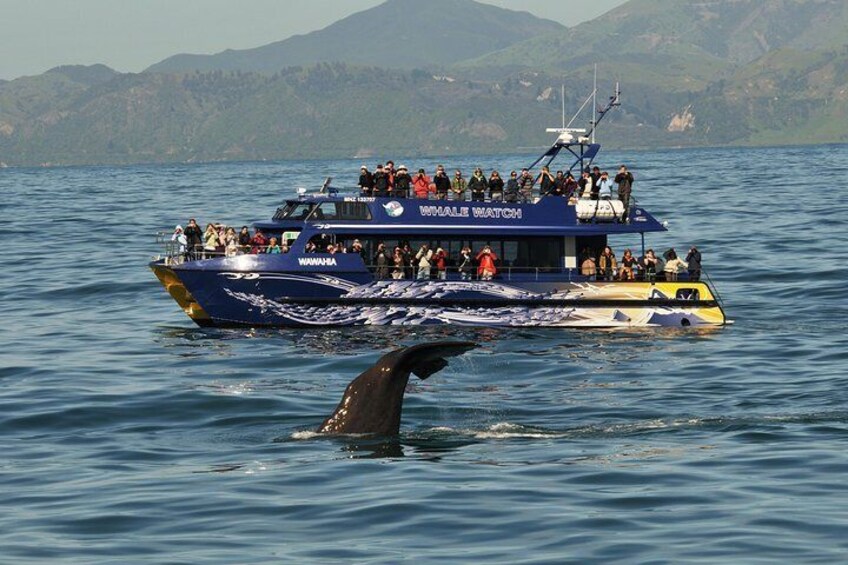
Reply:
x=486, y=269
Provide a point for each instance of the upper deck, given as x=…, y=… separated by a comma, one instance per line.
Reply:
x=548, y=216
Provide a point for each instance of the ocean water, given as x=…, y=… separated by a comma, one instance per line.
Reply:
x=128, y=435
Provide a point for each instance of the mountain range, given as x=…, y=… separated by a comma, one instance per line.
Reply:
x=454, y=76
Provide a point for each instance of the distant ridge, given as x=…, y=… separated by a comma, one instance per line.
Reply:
x=395, y=34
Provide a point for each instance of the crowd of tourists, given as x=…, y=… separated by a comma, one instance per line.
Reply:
x=219, y=240
x=649, y=267
x=386, y=181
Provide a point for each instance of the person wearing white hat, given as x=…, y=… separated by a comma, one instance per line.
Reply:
x=402, y=183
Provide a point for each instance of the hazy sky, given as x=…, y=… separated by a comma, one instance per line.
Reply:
x=130, y=35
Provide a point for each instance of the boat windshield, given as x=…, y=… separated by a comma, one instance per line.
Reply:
x=300, y=211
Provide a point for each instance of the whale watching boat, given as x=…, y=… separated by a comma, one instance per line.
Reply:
x=538, y=280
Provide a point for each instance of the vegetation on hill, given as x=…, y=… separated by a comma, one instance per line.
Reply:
x=400, y=34
x=711, y=72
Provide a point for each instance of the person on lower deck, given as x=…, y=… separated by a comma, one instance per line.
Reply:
x=673, y=265
x=496, y=187
x=624, y=180
x=486, y=269
x=424, y=258
x=381, y=261
x=273, y=247
x=398, y=264
x=440, y=261
x=650, y=265
x=458, y=186
x=465, y=263
x=693, y=259
x=477, y=185
x=244, y=240
x=628, y=263
x=607, y=264
x=194, y=238
x=589, y=268
x=442, y=182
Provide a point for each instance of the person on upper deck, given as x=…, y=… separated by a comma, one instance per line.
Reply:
x=585, y=184
x=624, y=180
x=546, y=182
x=511, y=192
x=366, y=181
x=402, y=184
x=380, y=182
x=525, y=186
x=605, y=186
x=693, y=259
x=458, y=186
x=559, y=184
x=486, y=269
x=442, y=182
x=477, y=185
x=496, y=187
x=422, y=185
x=390, y=170
x=596, y=180
x=571, y=186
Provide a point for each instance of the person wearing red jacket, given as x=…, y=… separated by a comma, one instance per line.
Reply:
x=421, y=185
x=439, y=260
x=486, y=269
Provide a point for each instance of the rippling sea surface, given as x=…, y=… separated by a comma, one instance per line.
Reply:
x=129, y=435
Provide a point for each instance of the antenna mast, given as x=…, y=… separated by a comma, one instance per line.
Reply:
x=562, y=97
x=594, y=102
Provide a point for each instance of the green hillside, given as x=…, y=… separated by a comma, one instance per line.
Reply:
x=682, y=86
x=397, y=34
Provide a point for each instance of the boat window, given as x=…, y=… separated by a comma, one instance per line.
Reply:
x=299, y=211
x=688, y=294
x=284, y=211
x=330, y=211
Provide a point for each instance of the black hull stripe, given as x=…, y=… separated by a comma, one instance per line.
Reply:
x=502, y=302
